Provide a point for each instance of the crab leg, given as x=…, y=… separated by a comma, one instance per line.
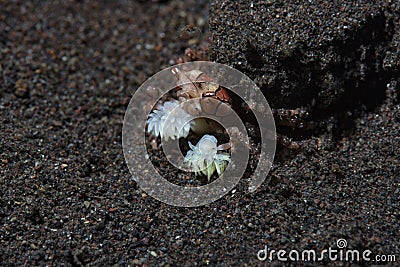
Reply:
x=289, y=143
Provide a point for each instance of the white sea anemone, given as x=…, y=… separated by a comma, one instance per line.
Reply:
x=178, y=123
x=204, y=157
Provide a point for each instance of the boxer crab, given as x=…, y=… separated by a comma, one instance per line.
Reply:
x=288, y=118
x=207, y=157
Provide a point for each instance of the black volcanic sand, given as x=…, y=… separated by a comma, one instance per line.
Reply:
x=314, y=54
x=68, y=69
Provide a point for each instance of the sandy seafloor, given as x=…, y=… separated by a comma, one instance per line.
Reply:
x=68, y=70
